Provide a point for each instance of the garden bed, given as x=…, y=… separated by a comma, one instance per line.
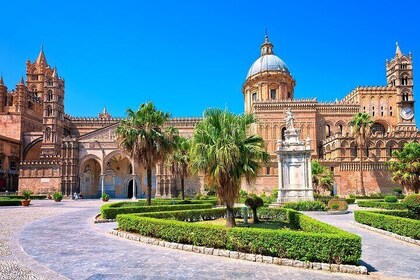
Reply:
x=392, y=221
x=314, y=241
x=10, y=202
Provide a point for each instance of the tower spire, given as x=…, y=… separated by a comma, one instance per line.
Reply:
x=1, y=81
x=22, y=82
x=398, y=52
x=41, y=57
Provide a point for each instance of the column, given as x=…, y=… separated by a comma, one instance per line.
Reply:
x=102, y=184
x=134, y=187
x=280, y=175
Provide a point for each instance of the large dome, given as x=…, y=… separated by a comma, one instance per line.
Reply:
x=267, y=62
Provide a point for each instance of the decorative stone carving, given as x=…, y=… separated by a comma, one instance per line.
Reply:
x=294, y=165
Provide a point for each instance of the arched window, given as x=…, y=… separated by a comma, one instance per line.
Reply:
x=327, y=131
x=49, y=111
x=48, y=134
x=340, y=128
x=49, y=95
x=273, y=94
x=404, y=81
x=354, y=151
x=390, y=111
x=254, y=96
x=377, y=127
x=289, y=95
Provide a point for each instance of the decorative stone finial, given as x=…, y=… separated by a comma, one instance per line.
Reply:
x=398, y=52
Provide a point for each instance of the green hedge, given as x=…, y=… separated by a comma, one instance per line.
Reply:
x=381, y=205
x=10, y=202
x=35, y=197
x=315, y=241
x=194, y=215
x=350, y=200
x=383, y=220
x=306, y=206
x=110, y=211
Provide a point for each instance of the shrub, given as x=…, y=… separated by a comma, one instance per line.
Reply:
x=57, y=196
x=323, y=198
x=316, y=242
x=383, y=220
x=110, y=211
x=10, y=202
x=335, y=206
x=243, y=194
x=254, y=202
x=341, y=202
x=306, y=206
x=412, y=202
x=350, y=200
x=397, y=191
x=105, y=196
x=26, y=194
x=380, y=204
x=391, y=199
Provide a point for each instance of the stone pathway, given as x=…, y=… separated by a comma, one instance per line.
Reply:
x=71, y=245
x=60, y=241
x=384, y=256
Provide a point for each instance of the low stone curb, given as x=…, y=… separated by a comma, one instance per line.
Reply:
x=344, y=268
x=388, y=233
x=99, y=221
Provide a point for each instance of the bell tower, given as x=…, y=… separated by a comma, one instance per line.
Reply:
x=399, y=74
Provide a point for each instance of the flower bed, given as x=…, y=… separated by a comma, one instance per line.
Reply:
x=110, y=211
x=314, y=241
x=392, y=221
x=381, y=204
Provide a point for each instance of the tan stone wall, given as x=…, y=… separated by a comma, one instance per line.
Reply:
x=40, y=185
x=10, y=126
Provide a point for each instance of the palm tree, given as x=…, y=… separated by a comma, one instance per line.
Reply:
x=361, y=122
x=178, y=161
x=405, y=167
x=142, y=137
x=321, y=177
x=225, y=154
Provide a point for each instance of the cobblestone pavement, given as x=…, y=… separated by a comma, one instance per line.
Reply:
x=73, y=246
x=383, y=255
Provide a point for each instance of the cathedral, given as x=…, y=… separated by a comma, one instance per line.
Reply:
x=45, y=150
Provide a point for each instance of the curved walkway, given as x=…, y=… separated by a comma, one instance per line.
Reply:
x=71, y=245
x=382, y=255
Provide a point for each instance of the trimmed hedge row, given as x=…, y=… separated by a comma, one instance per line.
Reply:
x=389, y=222
x=306, y=205
x=10, y=202
x=35, y=197
x=381, y=205
x=350, y=200
x=109, y=211
x=316, y=242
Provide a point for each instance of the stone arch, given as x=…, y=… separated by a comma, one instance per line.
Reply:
x=340, y=126
x=30, y=149
x=87, y=158
x=116, y=152
x=390, y=147
x=379, y=146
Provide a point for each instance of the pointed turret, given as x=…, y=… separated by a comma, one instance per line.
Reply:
x=22, y=82
x=104, y=114
x=1, y=81
x=398, y=52
x=55, y=73
x=41, y=60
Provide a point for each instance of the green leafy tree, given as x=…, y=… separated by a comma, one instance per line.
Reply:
x=142, y=136
x=361, y=123
x=179, y=160
x=322, y=178
x=225, y=154
x=254, y=202
x=405, y=167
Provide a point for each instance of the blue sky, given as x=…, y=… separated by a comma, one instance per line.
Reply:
x=186, y=56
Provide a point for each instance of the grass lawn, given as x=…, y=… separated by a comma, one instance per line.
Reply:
x=262, y=224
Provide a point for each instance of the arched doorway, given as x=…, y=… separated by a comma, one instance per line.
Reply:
x=130, y=189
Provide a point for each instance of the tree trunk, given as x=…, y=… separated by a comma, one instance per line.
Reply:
x=149, y=185
x=182, y=188
x=230, y=216
x=362, y=187
x=254, y=214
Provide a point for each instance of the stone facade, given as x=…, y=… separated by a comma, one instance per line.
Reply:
x=55, y=151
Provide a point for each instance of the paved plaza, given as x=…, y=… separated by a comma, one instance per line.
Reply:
x=51, y=240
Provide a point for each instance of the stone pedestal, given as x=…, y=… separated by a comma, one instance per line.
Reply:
x=294, y=165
